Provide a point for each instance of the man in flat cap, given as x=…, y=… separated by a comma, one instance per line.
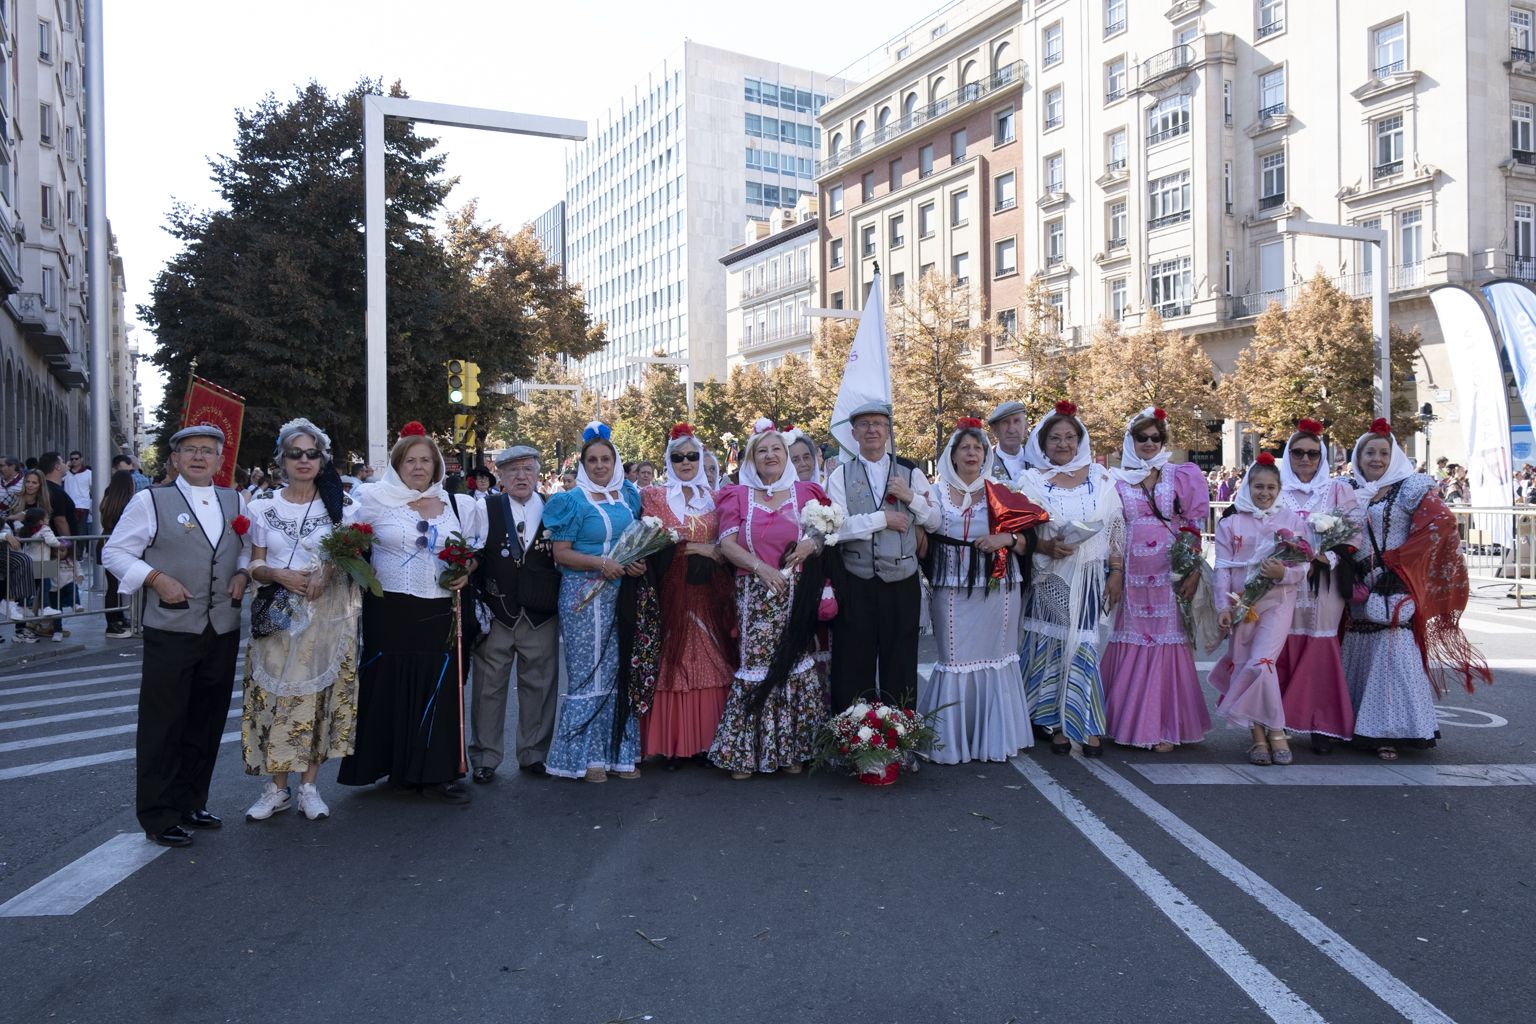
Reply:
x=1009, y=424
x=519, y=583
x=879, y=598
x=185, y=542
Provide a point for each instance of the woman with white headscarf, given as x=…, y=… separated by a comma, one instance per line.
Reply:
x=300, y=705
x=1311, y=672
x=777, y=701
x=1416, y=587
x=695, y=661
x=975, y=687
x=804, y=456
x=410, y=720
x=1152, y=692
x=595, y=732
x=1079, y=573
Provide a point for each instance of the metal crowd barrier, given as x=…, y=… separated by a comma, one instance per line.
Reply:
x=89, y=581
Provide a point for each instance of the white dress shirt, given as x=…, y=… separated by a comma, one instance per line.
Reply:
x=523, y=514
x=123, y=554
x=78, y=487
x=1014, y=463
x=867, y=524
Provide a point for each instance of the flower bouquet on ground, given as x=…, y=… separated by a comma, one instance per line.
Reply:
x=641, y=539
x=873, y=739
x=1289, y=549
x=347, y=548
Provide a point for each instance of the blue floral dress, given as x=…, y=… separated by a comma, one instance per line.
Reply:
x=584, y=730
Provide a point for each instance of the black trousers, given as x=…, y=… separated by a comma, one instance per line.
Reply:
x=184, y=698
x=874, y=640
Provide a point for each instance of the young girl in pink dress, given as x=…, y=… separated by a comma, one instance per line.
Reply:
x=1245, y=676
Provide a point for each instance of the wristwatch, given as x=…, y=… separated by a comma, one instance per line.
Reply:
x=242, y=572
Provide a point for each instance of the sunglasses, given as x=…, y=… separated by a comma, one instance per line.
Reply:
x=1146, y=438
x=1307, y=453
x=312, y=454
x=677, y=457
x=422, y=526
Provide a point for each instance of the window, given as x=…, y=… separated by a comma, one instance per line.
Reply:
x=1055, y=242
x=1007, y=327
x=1168, y=119
x=957, y=146
x=925, y=270
x=1005, y=258
x=69, y=78
x=1003, y=194
x=69, y=141
x=835, y=200
x=1272, y=180
x=959, y=207
x=1117, y=224
x=45, y=123
x=960, y=267
x=1389, y=47
x=925, y=161
x=1271, y=17
x=1114, y=17
x=1525, y=232
x=1521, y=38
x=1272, y=268
x=1168, y=200
x=1119, y=299
x=1051, y=45
x=1226, y=102
x=867, y=187
x=1055, y=174
x=1226, y=276
x=1058, y=303
x=1116, y=148
x=50, y=288
x=1389, y=146
x=1053, y=106
x=867, y=239
x=1003, y=127
x=1272, y=93
x=45, y=42
x=1114, y=80
x=47, y=205
x=72, y=206
x=898, y=285
x=895, y=177
x=1226, y=184
x=1171, y=287
x=1368, y=254
x=1520, y=123
x=1410, y=238
x=837, y=300
x=835, y=253
x=925, y=219
x=898, y=231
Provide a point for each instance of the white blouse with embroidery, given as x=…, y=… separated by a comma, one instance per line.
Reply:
x=405, y=552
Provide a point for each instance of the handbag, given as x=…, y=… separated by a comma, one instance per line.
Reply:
x=271, y=610
x=827, y=610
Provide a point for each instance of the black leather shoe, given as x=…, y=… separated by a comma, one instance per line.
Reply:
x=202, y=819
x=448, y=792
x=174, y=836
x=537, y=769
x=484, y=775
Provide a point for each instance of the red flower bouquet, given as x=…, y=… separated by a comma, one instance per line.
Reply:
x=347, y=547
x=456, y=556
x=871, y=737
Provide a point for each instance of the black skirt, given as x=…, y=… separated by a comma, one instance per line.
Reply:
x=410, y=722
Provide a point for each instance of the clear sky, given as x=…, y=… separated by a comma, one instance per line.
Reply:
x=176, y=70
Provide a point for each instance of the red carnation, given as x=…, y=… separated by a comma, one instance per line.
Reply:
x=890, y=499
x=1381, y=426
x=1066, y=408
x=413, y=429
x=1158, y=414
x=680, y=430
x=240, y=525
x=785, y=428
x=967, y=423
x=1306, y=425
x=1189, y=529
x=363, y=528
x=1265, y=459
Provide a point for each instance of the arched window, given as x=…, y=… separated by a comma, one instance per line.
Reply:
x=1001, y=56
x=968, y=88
x=936, y=90
x=884, y=120
x=908, y=108
x=836, y=144
x=858, y=133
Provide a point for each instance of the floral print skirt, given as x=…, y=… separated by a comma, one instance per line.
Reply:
x=293, y=734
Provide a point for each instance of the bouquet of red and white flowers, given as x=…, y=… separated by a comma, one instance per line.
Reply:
x=1289, y=550
x=869, y=736
x=641, y=539
x=347, y=548
x=456, y=555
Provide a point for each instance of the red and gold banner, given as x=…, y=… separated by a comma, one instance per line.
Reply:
x=208, y=403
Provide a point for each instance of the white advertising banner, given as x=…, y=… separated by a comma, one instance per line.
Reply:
x=1480, y=400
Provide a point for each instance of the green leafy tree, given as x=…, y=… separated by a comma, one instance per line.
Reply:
x=646, y=413
x=1120, y=374
x=551, y=421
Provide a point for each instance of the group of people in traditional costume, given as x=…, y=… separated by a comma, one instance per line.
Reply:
x=717, y=647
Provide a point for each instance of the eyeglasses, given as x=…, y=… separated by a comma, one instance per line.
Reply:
x=1307, y=453
x=207, y=453
x=1146, y=438
x=312, y=454
x=677, y=457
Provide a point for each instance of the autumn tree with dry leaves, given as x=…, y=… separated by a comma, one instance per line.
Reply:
x=933, y=365
x=1120, y=374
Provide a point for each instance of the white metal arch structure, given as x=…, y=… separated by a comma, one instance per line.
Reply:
x=375, y=110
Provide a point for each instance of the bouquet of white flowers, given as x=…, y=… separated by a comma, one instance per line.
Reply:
x=641, y=539
x=1336, y=528
x=821, y=521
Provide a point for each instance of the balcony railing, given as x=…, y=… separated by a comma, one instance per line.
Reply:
x=1178, y=307
x=1168, y=220
x=1168, y=62
x=1051, y=59
x=1115, y=243
x=1054, y=259
x=1053, y=122
x=1114, y=27
x=1271, y=201
x=1387, y=170
x=781, y=334
x=1521, y=268
x=1525, y=156
x=1005, y=204
x=1114, y=93
x=1403, y=277
x=1273, y=110
x=1269, y=28
x=790, y=280
x=1002, y=78
x=1115, y=166
x=1387, y=70
x=1168, y=133
x=1519, y=54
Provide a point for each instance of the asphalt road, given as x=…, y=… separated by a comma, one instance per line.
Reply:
x=1045, y=889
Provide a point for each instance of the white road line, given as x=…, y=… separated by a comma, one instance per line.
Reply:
x=22, y=723
x=1339, y=775
x=1478, y=624
x=1273, y=997
x=71, y=684
x=1330, y=943
x=75, y=885
x=1514, y=664
x=80, y=698
x=83, y=734
x=64, y=764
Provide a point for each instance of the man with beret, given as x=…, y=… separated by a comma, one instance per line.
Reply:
x=1009, y=424
x=519, y=583
x=879, y=598
x=186, y=542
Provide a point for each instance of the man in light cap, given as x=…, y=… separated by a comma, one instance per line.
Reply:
x=874, y=646
x=519, y=583
x=1009, y=424
x=186, y=542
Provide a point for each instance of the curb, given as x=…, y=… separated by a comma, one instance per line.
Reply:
x=26, y=655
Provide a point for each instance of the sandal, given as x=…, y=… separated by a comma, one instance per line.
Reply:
x=1279, y=754
x=794, y=769
x=633, y=773
x=1387, y=753
x=1164, y=748
x=595, y=775
x=1060, y=744
x=1259, y=754
x=739, y=776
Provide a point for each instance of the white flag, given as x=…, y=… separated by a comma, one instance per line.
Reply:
x=867, y=375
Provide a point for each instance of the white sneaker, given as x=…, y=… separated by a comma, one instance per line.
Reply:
x=310, y=803
x=14, y=610
x=58, y=636
x=49, y=612
x=271, y=801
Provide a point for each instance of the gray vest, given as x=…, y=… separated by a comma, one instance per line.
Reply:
x=181, y=550
x=889, y=555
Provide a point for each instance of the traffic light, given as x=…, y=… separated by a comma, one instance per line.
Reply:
x=471, y=385
x=465, y=430
x=455, y=381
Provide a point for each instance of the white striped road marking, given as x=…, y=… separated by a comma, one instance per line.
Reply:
x=64, y=764
x=1339, y=775
x=72, y=684
x=1330, y=943
x=1273, y=997
x=79, y=698
x=83, y=734
x=75, y=885
x=80, y=670
x=22, y=723
x=1478, y=624
x=1507, y=664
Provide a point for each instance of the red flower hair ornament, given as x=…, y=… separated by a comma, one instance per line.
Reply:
x=967, y=423
x=413, y=429
x=1307, y=425
x=1264, y=459
x=1066, y=408
x=786, y=428
x=1159, y=414
x=680, y=430
x=1380, y=426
